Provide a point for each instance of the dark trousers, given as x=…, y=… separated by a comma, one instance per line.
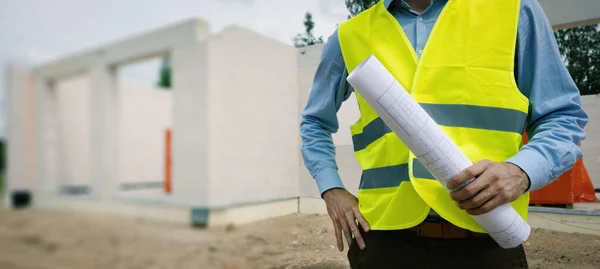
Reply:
x=407, y=249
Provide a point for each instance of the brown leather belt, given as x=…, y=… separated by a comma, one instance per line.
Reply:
x=444, y=229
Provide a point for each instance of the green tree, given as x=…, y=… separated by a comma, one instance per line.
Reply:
x=2, y=155
x=357, y=6
x=165, y=73
x=580, y=48
x=307, y=38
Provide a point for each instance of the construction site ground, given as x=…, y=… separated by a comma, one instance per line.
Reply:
x=34, y=239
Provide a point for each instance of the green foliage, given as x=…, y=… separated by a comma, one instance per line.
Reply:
x=580, y=48
x=165, y=74
x=307, y=38
x=1, y=184
x=357, y=6
x=2, y=155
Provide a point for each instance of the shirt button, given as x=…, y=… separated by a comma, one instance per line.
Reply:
x=420, y=51
x=420, y=18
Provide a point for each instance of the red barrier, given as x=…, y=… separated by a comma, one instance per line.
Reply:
x=583, y=190
x=167, y=183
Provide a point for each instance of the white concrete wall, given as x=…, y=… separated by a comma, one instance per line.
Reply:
x=190, y=124
x=73, y=108
x=567, y=14
x=144, y=115
x=20, y=112
x=253, y=119
x=591, y=145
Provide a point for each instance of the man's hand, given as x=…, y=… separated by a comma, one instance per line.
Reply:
x=342, y=207
x=495, y=185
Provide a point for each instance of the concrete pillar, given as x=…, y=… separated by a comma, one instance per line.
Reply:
x=103, y=105
x=20, y=140
x=190, y=121
x=47, y=160
x=253, y=119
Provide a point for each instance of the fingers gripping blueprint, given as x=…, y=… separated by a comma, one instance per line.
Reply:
x=440, y=155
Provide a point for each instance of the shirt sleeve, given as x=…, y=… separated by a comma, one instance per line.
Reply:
x=319, y=117
x=556, y=118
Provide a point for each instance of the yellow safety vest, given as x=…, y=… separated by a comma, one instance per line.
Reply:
x=464, y=80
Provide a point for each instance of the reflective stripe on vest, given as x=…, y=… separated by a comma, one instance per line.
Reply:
x=465, y=82
x=467, y=116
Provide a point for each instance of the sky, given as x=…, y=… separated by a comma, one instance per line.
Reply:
x=36, y=31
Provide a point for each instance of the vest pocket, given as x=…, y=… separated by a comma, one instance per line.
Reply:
x=392, y=208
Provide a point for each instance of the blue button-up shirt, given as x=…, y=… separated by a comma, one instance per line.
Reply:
x=555, y=122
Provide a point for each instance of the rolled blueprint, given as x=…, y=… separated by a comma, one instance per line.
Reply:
x=440, y=155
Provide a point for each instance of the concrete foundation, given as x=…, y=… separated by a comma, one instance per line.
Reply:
x=565, y=220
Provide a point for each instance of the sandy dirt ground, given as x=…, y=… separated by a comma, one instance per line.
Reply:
x=32, y=239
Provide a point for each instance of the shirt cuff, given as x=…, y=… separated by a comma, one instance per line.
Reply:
x=535, y=166
x=328, y=178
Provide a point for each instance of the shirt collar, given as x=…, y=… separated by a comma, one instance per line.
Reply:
x=402, y=3
x=387, y=3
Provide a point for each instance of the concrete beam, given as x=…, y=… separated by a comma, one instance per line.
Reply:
x=573, y=13
x=103, y=106
x=138, y=47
